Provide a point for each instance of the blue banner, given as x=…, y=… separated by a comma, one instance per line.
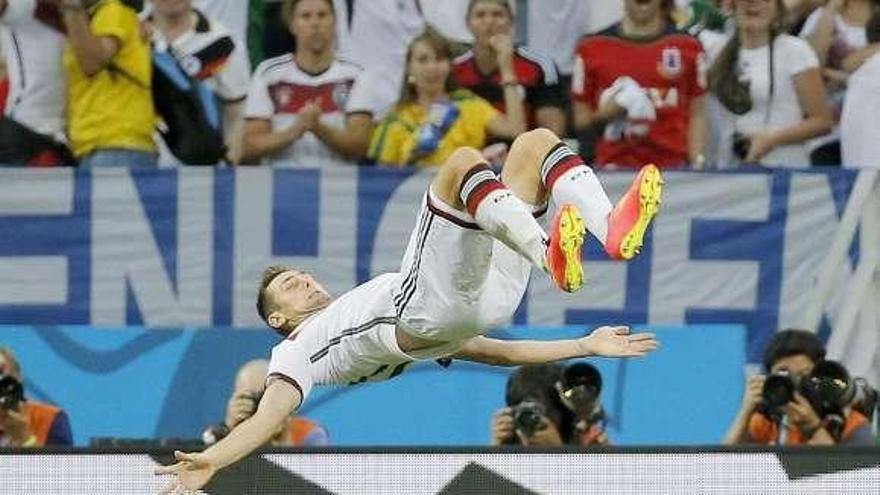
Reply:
x=186, y=247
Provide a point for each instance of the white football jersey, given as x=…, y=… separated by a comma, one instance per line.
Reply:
x=280, y=89
x=351, y=341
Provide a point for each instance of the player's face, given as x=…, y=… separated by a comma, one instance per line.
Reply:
x=428, y=69
x=755, y=14
x=487, y=19
x=642, y=11
x=297, y=293
x=314, y=25
x=172, y=7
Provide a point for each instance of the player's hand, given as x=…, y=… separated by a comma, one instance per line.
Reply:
x=752, y=396
x=617, y=342
x=502, y=426
x=191, y=472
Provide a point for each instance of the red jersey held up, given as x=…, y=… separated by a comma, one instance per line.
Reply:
x=670, y=67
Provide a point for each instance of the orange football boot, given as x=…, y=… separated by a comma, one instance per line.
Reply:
x=631, y=216
x=567, y=235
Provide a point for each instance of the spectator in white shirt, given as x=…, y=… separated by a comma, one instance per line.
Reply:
x=837, y=34
x=771, y=87
x=375, y=34
x=859, y=139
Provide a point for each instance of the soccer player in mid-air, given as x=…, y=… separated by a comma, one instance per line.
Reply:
x=464, y=273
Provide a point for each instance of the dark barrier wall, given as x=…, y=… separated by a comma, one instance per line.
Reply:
x=484, y=472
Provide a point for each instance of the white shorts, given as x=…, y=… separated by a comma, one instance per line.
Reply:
x=456, y=281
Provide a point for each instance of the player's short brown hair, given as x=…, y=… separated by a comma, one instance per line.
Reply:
x=288, y=8
x=265, y=302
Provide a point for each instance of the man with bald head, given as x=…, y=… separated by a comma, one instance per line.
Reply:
x=250, y=382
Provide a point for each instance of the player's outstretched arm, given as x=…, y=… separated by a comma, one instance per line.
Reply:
x=193, y=470
x=604, y=342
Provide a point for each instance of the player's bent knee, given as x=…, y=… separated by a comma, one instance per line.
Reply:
x=535, y=139
x=463, y=159
x=447, y=182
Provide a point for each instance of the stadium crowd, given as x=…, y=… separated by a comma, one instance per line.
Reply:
x=699, y=84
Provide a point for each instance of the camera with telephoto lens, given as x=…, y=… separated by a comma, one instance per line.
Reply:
x=828, y=389
x=865, y=397
x=579, y=390
x=527, y=416
x=11, y=392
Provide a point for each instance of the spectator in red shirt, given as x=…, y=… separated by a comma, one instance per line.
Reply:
x=495, y=62
x=643, y=83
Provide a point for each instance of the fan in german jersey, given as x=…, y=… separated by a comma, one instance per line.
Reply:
x=463, y=274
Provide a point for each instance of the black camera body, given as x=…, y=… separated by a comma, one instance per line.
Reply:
x=527, y=416
x=828, y=389
x=11, y=392
x=779, y=389
x=740, y=146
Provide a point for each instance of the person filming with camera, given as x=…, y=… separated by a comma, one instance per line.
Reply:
x=804, y=399
x=25, y=422
x=551, y=405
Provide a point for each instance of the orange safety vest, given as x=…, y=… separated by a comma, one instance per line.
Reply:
x=762, y=430
x=41, y=417
x=298, y=429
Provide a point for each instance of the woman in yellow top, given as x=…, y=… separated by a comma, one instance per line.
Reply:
x=432, y=118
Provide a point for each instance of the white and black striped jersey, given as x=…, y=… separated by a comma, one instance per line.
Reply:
x=351, y=341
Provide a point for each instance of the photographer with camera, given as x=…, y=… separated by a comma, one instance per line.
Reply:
x=248, y=390
x=804, y=400
x=24, y=422
x=551, y=405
